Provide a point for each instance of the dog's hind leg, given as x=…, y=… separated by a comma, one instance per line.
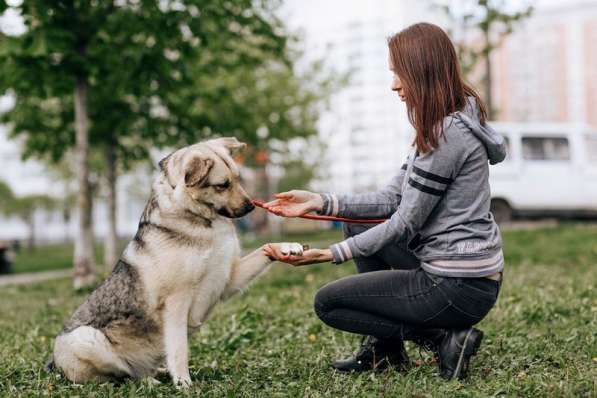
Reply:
x=86, y=354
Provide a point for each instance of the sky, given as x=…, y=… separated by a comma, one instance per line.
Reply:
x=303, y=14
x=307, y=14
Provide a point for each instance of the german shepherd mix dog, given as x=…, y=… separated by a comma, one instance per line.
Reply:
x=182, y=261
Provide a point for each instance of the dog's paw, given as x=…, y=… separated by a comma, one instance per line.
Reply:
x=182, y=382
x=152, y=381
x=292, y=248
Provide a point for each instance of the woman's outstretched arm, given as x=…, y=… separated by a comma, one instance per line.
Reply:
x=379, y=204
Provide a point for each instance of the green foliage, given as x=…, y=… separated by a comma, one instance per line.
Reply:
x=539, y=340
x=22, y=207
x=159, y=74
x=6, y=197
x=297, y=175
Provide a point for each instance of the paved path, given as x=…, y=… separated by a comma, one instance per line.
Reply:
x=20, y=279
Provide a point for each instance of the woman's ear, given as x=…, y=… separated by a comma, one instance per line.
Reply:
x=197, y=170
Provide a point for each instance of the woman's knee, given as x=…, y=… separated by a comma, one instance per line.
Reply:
x=321, y=302
x=326, y=307
x=328, y=297
x=335, y=294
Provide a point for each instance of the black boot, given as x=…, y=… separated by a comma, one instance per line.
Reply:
x=375, y=354
x=452, y=348
x=429, y=339
x=456, y=350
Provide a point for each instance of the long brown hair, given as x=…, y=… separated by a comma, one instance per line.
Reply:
x=424, y=59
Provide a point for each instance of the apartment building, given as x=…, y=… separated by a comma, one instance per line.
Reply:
x=546, y=71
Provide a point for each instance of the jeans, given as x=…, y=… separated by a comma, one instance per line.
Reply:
x=392, y=297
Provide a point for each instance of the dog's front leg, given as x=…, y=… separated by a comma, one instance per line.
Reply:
x=176, y=312
x=244, y=270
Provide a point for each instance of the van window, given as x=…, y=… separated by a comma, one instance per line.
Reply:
x=545, y=148
x=591, y=141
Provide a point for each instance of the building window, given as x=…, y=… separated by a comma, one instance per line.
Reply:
x=591, y=141
x=545, y=148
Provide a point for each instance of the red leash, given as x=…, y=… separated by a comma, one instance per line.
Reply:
x=259, y=203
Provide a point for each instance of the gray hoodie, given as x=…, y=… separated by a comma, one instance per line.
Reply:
x=437, y=205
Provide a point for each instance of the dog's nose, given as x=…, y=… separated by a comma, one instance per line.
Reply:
x=248, y=207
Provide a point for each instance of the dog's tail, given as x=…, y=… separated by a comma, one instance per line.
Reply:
x=50, y=366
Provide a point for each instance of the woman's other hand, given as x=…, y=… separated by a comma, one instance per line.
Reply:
x=311, y=256
x=294, y=203
x=283, y=251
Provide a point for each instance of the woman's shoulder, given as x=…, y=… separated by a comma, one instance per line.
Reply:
x=454, y=131
x=458, y=127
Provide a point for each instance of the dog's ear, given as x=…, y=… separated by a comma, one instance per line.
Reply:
x=164, y=163
x=233, y=145
x=197, y=170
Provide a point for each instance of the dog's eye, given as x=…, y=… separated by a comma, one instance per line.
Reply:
x=222, y=187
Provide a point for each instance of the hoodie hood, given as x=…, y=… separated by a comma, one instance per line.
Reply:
x=492, y=140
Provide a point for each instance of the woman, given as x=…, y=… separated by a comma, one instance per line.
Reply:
x=433, y=269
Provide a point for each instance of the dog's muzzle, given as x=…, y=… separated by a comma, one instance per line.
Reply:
x=242, y=211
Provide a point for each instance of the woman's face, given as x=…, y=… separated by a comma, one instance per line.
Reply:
x=396, y=83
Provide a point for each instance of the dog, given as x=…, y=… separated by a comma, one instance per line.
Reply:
x=183, y=260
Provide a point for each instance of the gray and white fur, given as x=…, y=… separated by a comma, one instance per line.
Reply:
x=183, y=260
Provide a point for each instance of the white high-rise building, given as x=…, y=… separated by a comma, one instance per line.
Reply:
x=366, y=128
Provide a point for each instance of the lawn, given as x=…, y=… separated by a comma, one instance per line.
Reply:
x=48, y=257
x=540, y=339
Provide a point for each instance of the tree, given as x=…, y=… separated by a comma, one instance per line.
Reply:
x=63, y=173
x=6, y=197
x=24, y=208
x=139, y=74
x=491, y=22
x=46, y=65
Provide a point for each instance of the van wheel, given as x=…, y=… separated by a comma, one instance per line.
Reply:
x=502, y=212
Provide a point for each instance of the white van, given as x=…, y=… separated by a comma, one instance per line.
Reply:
x=550, y=171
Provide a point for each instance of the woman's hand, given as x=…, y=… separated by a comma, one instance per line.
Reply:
x=283, y=251
x=311, y=256
x=294, y=203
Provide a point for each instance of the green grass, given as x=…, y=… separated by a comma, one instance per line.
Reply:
x=43, y=258
x=49, y=257
x=540, y=338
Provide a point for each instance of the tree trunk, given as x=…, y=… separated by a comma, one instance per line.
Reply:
x=30, y=221
x=487, y=79
x=84, y=262
x=66, y=224
x=111, y=240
